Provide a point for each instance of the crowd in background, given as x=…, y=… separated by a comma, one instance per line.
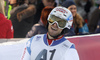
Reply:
x=29, y=17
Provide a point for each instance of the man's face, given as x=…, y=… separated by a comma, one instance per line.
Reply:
x=53, y=30
x=12, y=1
x=46, y=3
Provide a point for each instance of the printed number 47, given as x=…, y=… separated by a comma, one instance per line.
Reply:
x=43, y=55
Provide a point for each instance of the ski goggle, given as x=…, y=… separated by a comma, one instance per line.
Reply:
x=61, y=23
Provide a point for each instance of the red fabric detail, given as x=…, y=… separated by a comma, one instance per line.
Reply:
x=6, y=30
x=49, y=42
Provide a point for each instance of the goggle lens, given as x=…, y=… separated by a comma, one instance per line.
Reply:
x=61, y=23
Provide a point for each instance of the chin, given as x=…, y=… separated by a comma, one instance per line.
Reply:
x=52, y=34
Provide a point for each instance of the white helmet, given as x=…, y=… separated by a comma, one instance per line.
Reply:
x=64, y=14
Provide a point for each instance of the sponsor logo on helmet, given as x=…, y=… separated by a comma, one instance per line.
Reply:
x=61, y=10
x=70, y=18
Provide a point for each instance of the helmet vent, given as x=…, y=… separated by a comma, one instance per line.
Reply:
x=54, y=11
x=65, y=15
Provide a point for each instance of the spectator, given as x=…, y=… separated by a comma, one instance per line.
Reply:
x=6, y=28
x=40, y=28
x=29, y=11
x=98, y=27
x=59, y=2
x=53, y=45
x=40, y=6
x=95, y=18
x=21, y=17
x=78, y=21
x=8, y=8
x=35, y=2
x=85, y=8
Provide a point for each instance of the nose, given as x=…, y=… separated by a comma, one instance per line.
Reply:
x=55, y=25
x=73, y=10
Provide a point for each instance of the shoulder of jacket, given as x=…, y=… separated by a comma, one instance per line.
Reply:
x=8, y=22
x=68, y=44
x=38, y=36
